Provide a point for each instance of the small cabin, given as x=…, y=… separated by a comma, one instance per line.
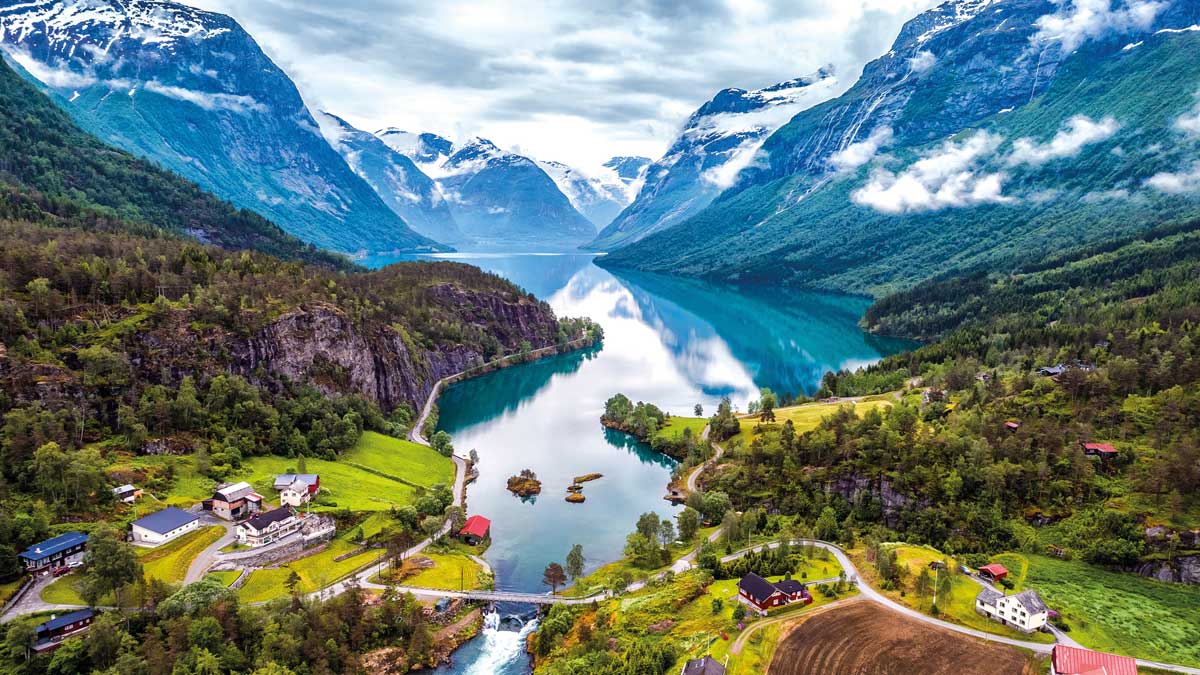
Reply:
x=1101, y=450
x=993, y=572
x=476, y=529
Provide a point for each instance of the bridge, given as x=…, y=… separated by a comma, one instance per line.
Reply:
x=499, y=596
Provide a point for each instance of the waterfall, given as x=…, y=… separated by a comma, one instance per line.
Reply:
x=497, y=650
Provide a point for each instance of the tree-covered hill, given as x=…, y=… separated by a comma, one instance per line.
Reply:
x=52, y=171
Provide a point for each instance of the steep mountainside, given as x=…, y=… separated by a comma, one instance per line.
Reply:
x=500, y=200
x=193, y=92
x=53, y=172
x=394, y=177
x=989, y=130
x=717, y=142
x=599, y=196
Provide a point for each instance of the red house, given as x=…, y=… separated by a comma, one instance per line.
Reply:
x=1075, y=661
x=1012, y=426
x=1102, y=450
x=476, y=530
x=994, y=571
x=763, y=595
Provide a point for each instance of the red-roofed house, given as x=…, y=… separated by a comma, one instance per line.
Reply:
x=994, y=571
x=1099, y=450
x=1075, y=661
x=1012, y=426
x=476, y=530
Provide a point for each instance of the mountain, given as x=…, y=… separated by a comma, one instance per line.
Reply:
x=599, y=196
x=718, y=140
x=394, y=177
x=499, y=199
x=55, y=173
x=989, y=130
x=192, y=91
x=629, y=169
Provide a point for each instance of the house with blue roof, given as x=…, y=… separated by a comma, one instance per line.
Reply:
x=61, y=550
x=163, y=526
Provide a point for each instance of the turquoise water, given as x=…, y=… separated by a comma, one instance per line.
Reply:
x=672, y=342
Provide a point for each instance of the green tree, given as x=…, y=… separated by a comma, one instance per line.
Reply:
x=666, y=532
x=112, y=565
x=698, y=410
x=826, y=528
x=924, y=583
x=293, y=582
x=648, y=525
x=689, y=523
x=554, y=576
x=575, y=561
x=441, y=443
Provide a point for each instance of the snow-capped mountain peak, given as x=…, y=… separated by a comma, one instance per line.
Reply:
x=151, y=22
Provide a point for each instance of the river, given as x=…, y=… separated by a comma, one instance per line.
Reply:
x=673, y=342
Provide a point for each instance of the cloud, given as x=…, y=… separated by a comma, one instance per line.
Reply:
x=946, y=177
x=1078, y=132
x=922, y=62
x=1189, y=122
x=1176, y=183
x=572, y=80
x=856, y=154
x=206, y=100
x=1083, y=20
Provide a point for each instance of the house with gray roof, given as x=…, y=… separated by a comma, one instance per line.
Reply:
x=1025, y=611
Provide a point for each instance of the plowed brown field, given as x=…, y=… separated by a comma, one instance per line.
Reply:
x=866, y=639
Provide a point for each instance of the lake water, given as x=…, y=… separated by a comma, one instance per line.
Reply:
x=669, y=341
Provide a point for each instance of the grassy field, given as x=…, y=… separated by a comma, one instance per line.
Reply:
x=315, y=571
x=1115, y=612
x=675, y=426
x=374, y=475
x=187, y=487
x=604, y=575
x=806, y=417
x=958, y=608
x=224, y=578
x=9, y=589
x=450, y=571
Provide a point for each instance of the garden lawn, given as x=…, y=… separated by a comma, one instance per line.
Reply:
x=224, y=577
x=315, y=572
x=450, y=572
x=806, y=417
x=1116, y=612
x=170, y=561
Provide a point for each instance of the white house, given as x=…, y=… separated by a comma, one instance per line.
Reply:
x=1024, y=611
x=296, y=489
x=268, y=527
x=126, y=493
x=163, y=526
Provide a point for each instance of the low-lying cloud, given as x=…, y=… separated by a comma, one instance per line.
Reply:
x=946, y=177
x=1082, y=20
x=1177, y=183
x=1079, y=131
x=857, y=154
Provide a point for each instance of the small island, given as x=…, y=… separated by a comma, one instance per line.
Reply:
x=526, y=484
x=587, y=477
x=576, y=498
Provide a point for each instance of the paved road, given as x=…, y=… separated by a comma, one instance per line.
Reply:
x=208, y=556
x=694, y=477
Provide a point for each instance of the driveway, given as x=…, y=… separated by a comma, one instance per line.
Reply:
x=208, y=556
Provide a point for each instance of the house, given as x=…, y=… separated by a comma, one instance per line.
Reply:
x=126, y=493
x=763, y=595
x=937, y=565
x=296, y=489
x=51, y=633
x=1066, y=660
x=1012, y=426
x=61, y=550
x=1101, y=450
x=475, y=530
x=993, y=572
x=163, y=526
x=1024, y=611
x=268, y=527
x=235, y=502
x=1052, y=371
x=704, y=666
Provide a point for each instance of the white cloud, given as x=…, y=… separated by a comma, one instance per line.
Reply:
x=1177, y=183
x=1078, y=132
x=206, y=100
x=946, y=177
x=856, y=154
x=922, y=62
x=1083, y=20
x=1189, y=122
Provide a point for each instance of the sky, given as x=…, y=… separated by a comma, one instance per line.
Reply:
x=573, y=81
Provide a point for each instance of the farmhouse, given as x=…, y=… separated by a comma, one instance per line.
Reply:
x=993, y=572
x=296, y=489
x=163, y=526
x=704, y=666
x=51, y=633
x=269, y=527
x=763, y=595
x=1101, y=450
x=126, y=493
x=63, y=549
x=475, y=530
x=1024, y=611
x=234, y=502
x=1075, y=661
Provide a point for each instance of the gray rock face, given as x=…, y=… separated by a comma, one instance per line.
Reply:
x=854, y=488
x=1183, y=570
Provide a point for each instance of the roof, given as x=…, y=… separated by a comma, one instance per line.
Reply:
x=995, y=569
x=231, y=493
x=166, y=520
x=264, y=520
x=1076, y=661
x=757, y=587
x=123, y=489
x=1013, y=425
x=1031, y=601
x=989, y=596
x=477, y=526
x=65, y=620
x=49, y=547
x=790, y=586
x=1099, y=447
x=704, y=666
x=285, y=479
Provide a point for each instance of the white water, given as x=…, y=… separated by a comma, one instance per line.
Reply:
x=496, y=650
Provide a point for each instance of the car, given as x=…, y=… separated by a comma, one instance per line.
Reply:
x=61, y=570
x=75, y=563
